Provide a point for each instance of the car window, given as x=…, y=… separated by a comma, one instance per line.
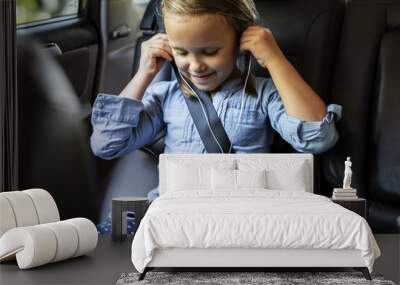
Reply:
x=29, y=11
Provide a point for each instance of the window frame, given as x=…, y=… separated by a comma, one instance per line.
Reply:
x=82, y=13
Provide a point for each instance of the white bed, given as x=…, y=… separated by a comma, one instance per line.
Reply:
x=247, y=210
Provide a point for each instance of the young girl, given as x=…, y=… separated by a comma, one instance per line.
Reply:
x=204, y=39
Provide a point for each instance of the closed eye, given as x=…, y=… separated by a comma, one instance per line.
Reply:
x=205, y=52
x=211, y=52
x=181, y=52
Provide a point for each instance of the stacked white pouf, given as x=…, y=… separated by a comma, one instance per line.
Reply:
x=32, y=233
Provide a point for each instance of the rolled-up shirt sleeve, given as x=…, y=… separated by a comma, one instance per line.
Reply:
x=311, y=137
x=122, y=125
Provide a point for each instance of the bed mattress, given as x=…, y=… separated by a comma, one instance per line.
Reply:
x=250, y=219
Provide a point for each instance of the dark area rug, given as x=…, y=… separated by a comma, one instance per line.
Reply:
x=243, y=278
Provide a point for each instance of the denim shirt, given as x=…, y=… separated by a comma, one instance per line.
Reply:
x=122, y=125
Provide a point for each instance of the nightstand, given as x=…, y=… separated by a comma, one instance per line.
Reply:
x=121, y=206
x=357, y=205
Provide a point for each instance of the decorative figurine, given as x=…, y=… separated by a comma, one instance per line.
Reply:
x=347, y=192
x=347, y=174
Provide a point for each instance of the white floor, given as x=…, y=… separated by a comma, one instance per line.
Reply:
x=388, y=263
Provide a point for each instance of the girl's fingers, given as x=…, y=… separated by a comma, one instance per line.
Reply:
x=248, y=40
x=249, y=33
x=247, y=37
x=168, y=48
x=158, y=52
x=255, y=32
x=254, y=28
x=163, y=47
x=161, y=43
x=244, y=45
x=159, y=36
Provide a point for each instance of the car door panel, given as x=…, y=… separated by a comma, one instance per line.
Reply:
x=74, y=43
x=125, y=16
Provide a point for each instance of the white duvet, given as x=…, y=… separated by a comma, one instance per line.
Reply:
x=253, y=218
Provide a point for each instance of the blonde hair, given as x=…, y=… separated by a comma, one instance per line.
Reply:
x=239, y=13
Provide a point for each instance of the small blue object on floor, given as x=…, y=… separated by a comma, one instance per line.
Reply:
x=104, y=228
x=153, y=194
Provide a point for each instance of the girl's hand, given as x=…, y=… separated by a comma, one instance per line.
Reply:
x=154, y=52
x=261, y=43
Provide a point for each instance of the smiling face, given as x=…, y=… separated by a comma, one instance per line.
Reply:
x=204, y=48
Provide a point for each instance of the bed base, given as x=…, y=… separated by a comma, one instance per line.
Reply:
x=364, y=270
x=238, y=259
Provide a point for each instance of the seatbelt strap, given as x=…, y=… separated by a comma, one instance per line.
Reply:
x=194, y=106
x=201, y=123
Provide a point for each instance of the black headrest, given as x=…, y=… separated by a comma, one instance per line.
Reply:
x=151, y=20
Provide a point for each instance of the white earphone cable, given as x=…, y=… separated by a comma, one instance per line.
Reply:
x=204, y=112
x=205, y=115
x=241, y=106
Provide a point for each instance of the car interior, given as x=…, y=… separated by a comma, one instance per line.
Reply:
x=346, y=50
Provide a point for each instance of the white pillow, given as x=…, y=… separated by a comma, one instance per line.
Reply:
x=188, y=176
x=251, y=178
x=282, y=174
x=292, y=178
x=237, y=179
x=223, y=179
